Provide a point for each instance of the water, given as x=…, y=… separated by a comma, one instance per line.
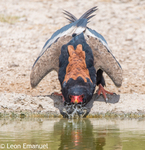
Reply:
x=64, y=134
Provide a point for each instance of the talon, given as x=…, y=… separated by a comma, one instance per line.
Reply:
x=103, y=91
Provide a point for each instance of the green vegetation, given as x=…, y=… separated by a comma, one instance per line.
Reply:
x=9, y=19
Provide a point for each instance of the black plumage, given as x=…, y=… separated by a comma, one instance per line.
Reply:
x=78, y=86
x=100, y=79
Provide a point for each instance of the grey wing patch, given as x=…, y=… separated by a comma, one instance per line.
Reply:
x=48, y=61
x=66, y=30
x=95, y=34
x=98, y=36
x=75, y=27
x=105, y=60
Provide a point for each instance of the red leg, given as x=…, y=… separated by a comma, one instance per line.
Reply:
x=59, y=94
x=103, y=91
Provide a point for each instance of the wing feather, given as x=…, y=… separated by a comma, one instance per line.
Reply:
x=66, y=30
x=88, y=13
x=70, y=16
x=48, y=58
x=95, y=34
x=48, y=61
x=104, y=60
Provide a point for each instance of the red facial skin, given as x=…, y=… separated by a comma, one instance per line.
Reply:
x=76, y=99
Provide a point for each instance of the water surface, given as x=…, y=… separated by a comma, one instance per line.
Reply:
x=64, y=134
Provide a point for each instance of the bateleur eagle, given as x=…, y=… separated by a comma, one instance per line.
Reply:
x=79, y=55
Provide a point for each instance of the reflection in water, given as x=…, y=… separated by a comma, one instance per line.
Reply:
x=64, y=134
x=75, y=134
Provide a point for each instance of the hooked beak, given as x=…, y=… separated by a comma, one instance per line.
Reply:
x=76, y=99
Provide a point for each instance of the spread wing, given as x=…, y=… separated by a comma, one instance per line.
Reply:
x=103, y=57
x=48, y=61
x=48, y=58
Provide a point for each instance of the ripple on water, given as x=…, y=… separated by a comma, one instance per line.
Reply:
x=56, y=133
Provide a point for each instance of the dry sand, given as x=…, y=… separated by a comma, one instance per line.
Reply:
x=26, y=25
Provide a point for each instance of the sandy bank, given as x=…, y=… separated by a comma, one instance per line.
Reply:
x=124, y=105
